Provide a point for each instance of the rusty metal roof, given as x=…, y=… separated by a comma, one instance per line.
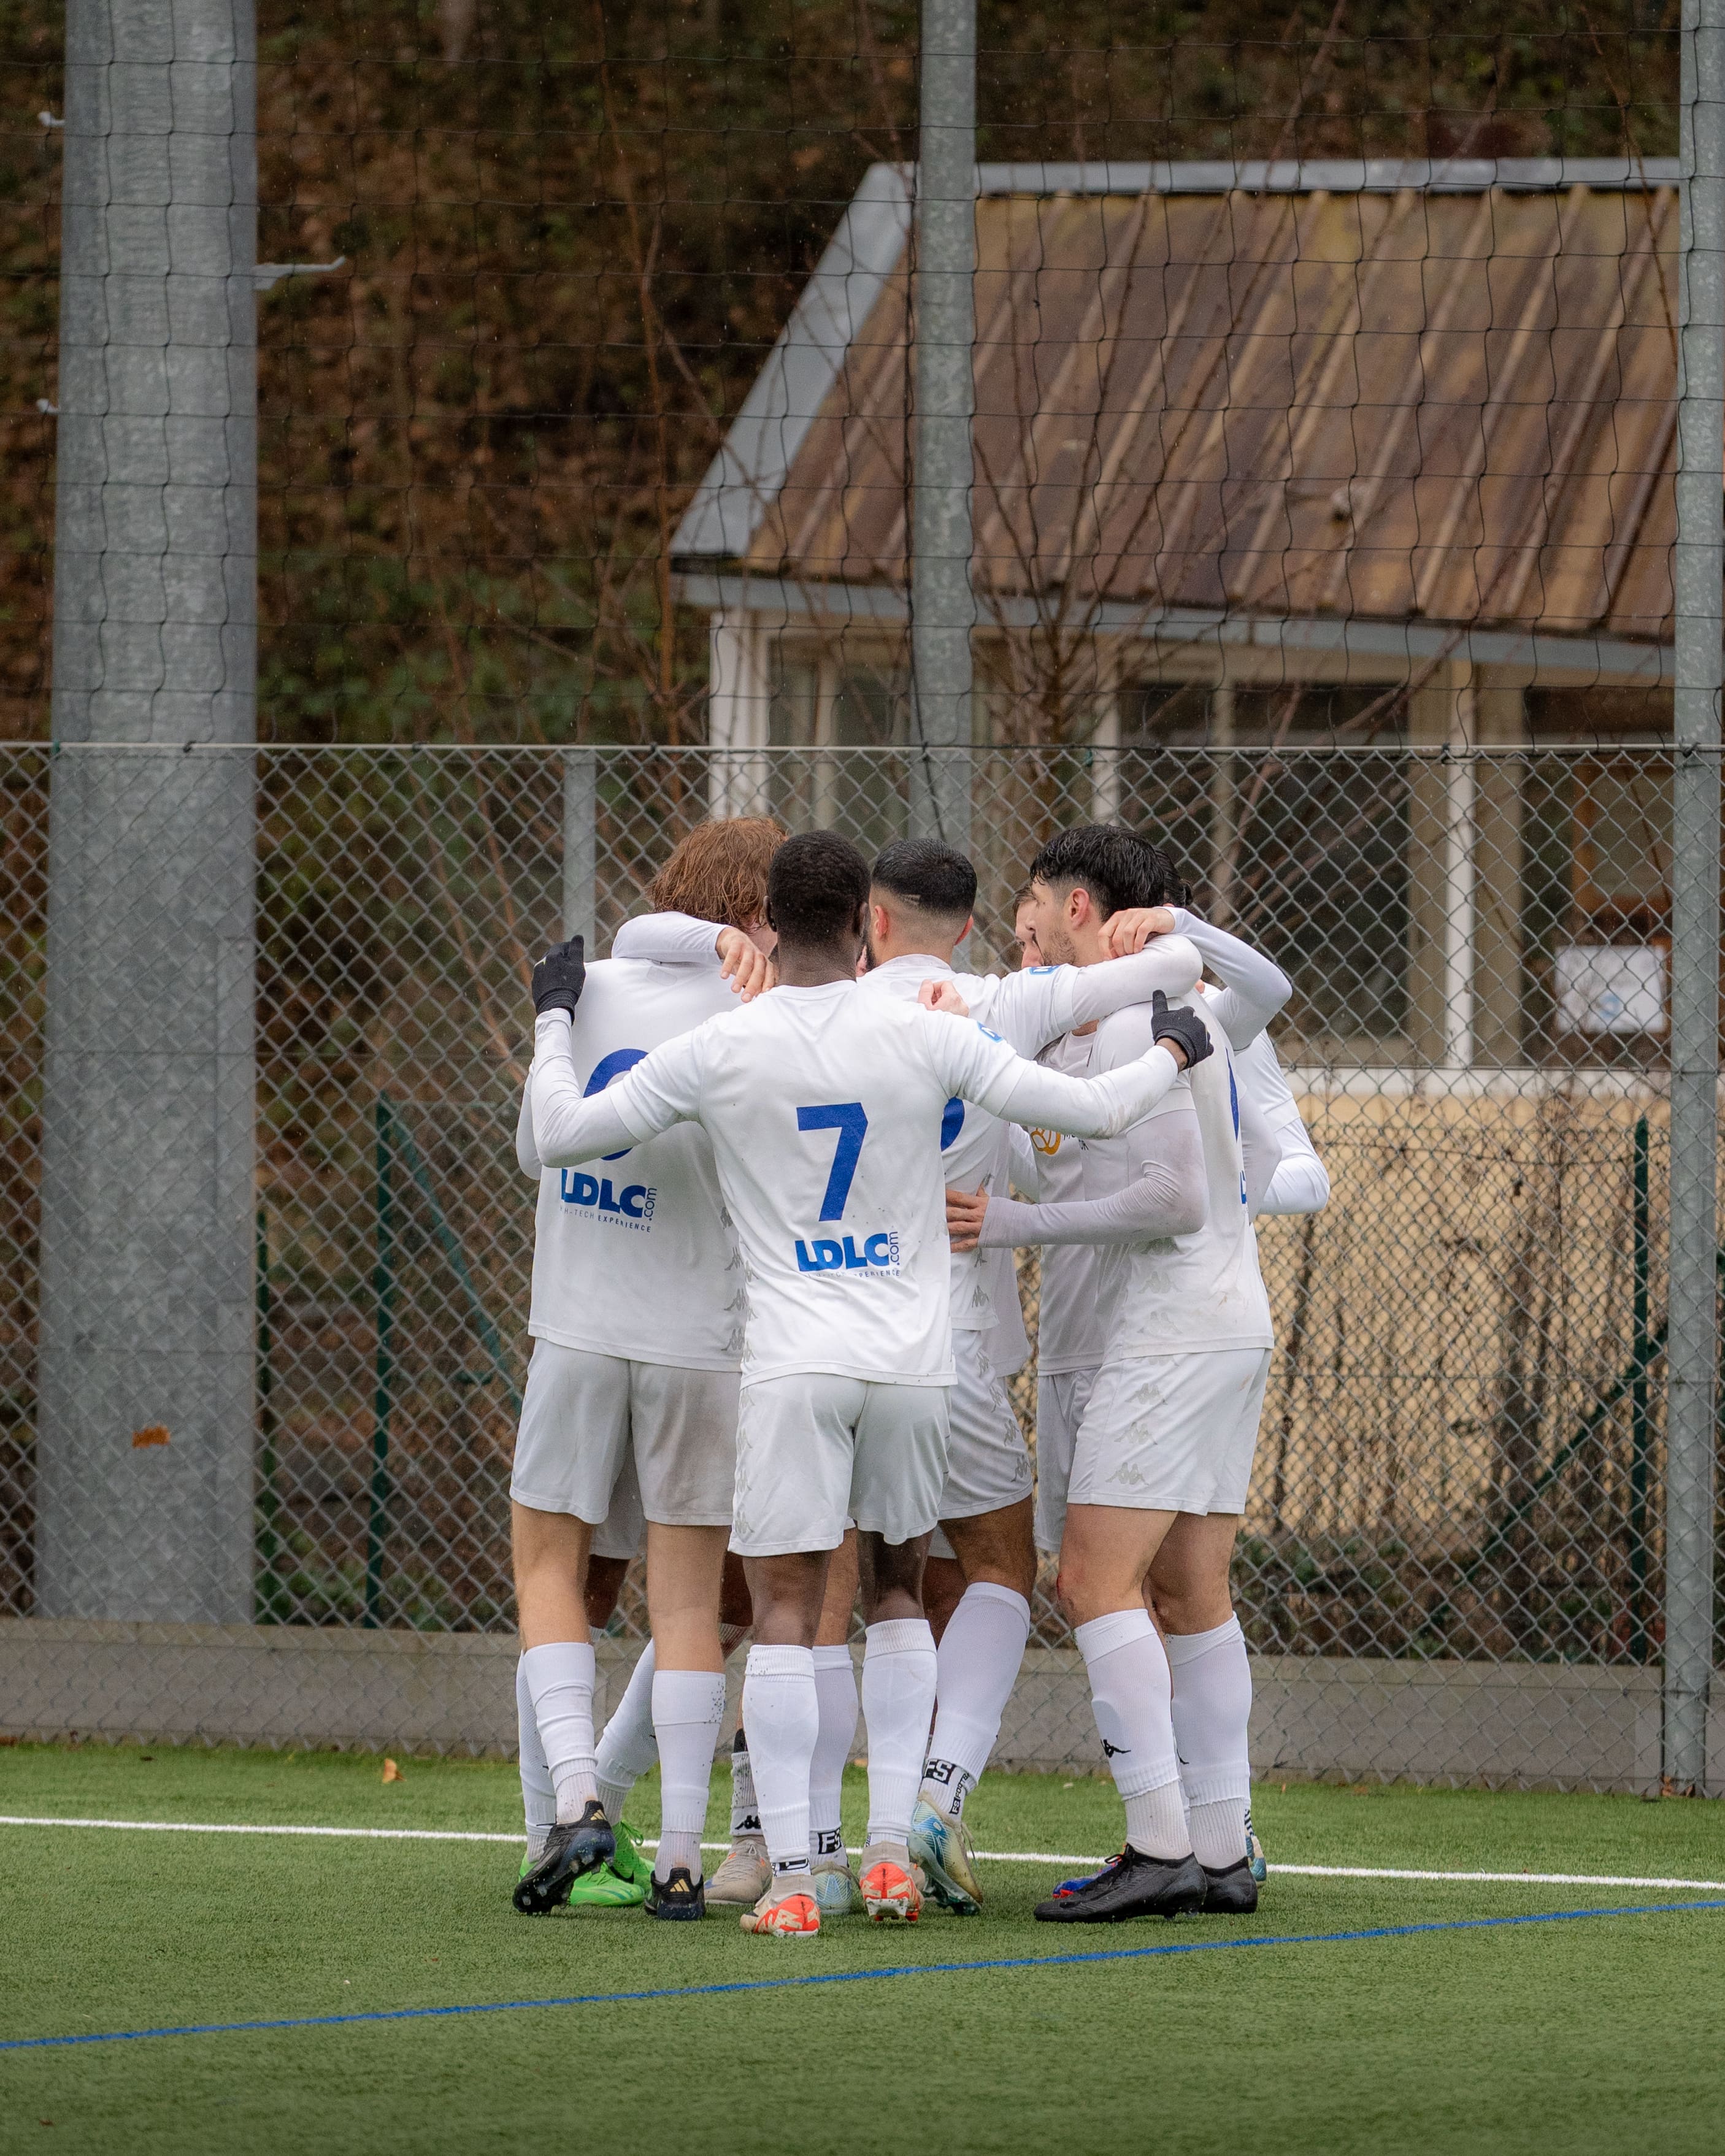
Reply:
x=1391, y=402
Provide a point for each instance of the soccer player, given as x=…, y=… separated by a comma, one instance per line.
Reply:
x=1097, y=1314
x=824, y=1106
x=637, y=1325
x=920, y=910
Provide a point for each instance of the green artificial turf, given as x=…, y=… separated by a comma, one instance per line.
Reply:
x=1599, y=2035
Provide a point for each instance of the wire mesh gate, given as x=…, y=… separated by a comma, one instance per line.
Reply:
x=1461, y=1461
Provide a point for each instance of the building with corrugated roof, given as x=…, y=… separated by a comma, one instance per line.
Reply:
x=1290, y=455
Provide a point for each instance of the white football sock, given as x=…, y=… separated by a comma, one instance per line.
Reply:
x=745, y=1808
x=628, y=1749
x=835, y=1689
x=1212, y=1716
x=980, y=1652
x=898, y=1682
x=1130, y=1691
x=688, y=1707
x=539, y=1798
x=559, y=1681
x=782, y=1715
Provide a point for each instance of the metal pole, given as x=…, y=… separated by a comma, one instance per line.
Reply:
x=1699, y=571
x=269, y=1506
x=1640, y=1418
x=941, y=610
x=145, y=1439
x=383, y=1388
x=580, y=843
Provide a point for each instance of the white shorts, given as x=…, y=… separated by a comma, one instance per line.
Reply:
x=623, y=1531
x=1060, y=1402
x=588, y=1420
x=1171, y=1433
x=988, y=1462
x=815, y=1452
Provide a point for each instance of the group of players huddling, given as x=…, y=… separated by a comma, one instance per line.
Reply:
x=773, y=1304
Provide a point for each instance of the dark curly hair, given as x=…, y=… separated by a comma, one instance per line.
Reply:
x=1115, y=865
x=817, y=886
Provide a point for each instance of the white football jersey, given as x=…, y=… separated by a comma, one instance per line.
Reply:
x=824, y=1106
x=1027, y=1009
x=1077, y=1278
x=1183, y=1295
x=635, y=1256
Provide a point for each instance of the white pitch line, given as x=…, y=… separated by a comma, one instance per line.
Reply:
x=989, y=1855
x=1498, y=1878
x=211, y=1826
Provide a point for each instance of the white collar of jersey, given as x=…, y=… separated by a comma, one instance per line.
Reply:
x=823, y=988
x=919, y=961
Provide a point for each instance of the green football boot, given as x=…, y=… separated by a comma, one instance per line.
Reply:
x=622, y=1882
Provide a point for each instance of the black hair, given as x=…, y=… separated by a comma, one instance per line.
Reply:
x=817, y=886
x=1115, y=865
x=934, y=877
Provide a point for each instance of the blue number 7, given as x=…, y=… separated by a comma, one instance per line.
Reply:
x=847, y=1118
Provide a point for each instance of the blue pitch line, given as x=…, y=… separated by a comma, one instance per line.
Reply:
x=848, y=1976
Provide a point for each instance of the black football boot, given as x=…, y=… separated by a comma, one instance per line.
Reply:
x=1133, y=1885
x=574, y=1847
x=681, y=1899
x=1230, y=1892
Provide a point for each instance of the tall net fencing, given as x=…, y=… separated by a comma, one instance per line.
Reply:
x=1462, y=1444
x=479, y=446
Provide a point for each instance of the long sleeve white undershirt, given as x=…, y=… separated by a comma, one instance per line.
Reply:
x=1169, y=964
x=1254, y=987
x=1299, y=1183
x=569, y=1127
x=1165, y=1196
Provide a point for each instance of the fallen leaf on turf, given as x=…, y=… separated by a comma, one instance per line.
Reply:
x=392, y=1772
x=155, y=1433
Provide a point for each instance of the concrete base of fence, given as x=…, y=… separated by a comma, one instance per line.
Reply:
x=1552, y=1726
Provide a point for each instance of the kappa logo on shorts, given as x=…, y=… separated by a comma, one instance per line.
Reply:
x=878, y=1254
x=633, y=1204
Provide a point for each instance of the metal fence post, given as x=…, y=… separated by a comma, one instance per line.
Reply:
x=146, y=1425
x=1699, y=569
x=1641, y=1359
x=942, y=608
x=383, y=1384
x=580, y=843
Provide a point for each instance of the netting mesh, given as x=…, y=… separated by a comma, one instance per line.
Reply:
x=1462, y=1444
x=569, y=481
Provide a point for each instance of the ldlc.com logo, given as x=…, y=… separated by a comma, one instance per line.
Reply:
x=633, y=1202
x=830, y=1256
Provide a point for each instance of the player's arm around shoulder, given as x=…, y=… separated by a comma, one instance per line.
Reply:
x=571, y=1126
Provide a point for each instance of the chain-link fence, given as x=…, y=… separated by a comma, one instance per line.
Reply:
x=1461, y=1465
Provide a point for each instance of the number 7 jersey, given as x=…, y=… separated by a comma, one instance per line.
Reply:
x=824, y=1107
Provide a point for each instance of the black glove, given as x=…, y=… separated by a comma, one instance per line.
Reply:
x=1184, y=1028
x=560, y=976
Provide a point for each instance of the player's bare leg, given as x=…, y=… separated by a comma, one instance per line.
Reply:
x=1105, y=1557
x=627, y=1747
x=981, y=1646
x=1191, y=1597
x=604, y=1583
x=557, y=1671
x=898, y=1690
